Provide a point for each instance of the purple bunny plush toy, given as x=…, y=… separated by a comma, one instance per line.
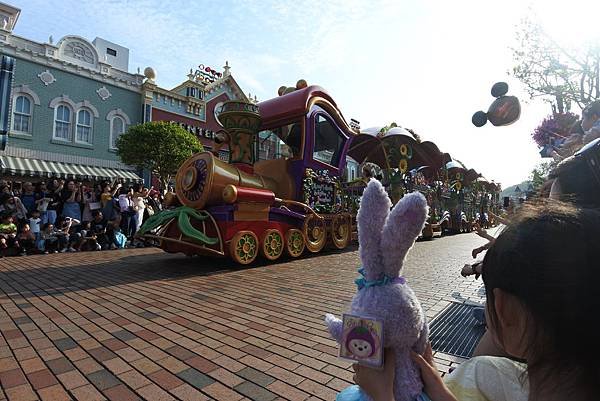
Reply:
x=385, y=238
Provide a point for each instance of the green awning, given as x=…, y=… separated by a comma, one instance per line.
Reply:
x=44, y=168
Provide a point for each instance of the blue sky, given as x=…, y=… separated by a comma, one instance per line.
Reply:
x=427, y=65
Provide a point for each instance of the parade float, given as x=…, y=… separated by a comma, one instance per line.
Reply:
x=301, y=201
x=245, y=207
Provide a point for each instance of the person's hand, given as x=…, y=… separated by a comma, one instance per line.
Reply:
x=379, y=385
x=433, y=384
x=477, y=251
x=467, y=270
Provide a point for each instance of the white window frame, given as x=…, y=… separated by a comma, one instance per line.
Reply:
x=110, y=118
x=70, y=131
x=79, y=124
x=112, y=133
x=21, y=114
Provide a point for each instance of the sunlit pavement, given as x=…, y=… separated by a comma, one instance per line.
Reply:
x=141, y=324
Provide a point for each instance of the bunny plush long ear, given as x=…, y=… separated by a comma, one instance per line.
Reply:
x=402, y=228
x=374, y=209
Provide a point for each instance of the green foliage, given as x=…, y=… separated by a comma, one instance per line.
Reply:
x=539, y=174
x=157, y=146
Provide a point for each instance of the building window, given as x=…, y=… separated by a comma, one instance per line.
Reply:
x=111, y=52
x=22, y=114
x=84, y=127
x=62, y=123
x=117, y=128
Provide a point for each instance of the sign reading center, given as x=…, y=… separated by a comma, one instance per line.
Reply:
x=198, y=131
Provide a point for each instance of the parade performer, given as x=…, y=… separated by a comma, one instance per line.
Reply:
x=385, y=238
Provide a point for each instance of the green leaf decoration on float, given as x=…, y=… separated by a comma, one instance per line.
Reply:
x=183, y=215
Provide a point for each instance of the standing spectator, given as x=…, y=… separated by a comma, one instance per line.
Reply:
x=107, y=199
x=139, y=204
x=42, y=199
x=71, y=199
x=126, y=208
x=27, y=240
x=154, y=202
x=13, y=206
x=28, y=197
x=35, y=224
x=89, y=200
x=55, y=205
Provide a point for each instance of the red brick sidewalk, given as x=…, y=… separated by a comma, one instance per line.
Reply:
x=140, y=324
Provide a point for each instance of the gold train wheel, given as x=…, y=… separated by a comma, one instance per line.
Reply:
x=272, y=244
x=243, y=247
x=340, y=231
x=315, y=233
x=294, y=242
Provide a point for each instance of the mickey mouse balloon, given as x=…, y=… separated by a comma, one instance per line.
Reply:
x=505, y=110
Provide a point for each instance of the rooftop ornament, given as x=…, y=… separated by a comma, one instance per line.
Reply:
x=205, y=74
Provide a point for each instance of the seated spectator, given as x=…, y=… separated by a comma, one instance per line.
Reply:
x=67, y=227
x=9, y=244
x=27, y=240
x=13, y=206
x=591, y=122
x=49, y=240
x=89, y=240
x=577, y=178
x=119, y=239
x=61, y=232
x=100, y=230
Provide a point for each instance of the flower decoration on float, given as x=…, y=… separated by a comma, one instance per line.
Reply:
x=403, y=166
x=406, y=151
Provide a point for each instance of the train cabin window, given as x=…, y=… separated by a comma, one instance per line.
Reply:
x=329, y=142
x=280, y=142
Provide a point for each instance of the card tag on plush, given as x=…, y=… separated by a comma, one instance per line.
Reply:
x=362, y=339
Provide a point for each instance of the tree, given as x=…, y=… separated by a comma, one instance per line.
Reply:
x=160, y=147
x=539, y=174
x=557, y=74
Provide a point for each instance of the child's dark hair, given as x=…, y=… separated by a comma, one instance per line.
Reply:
x=591, y=109
x=579, y=177
x=548, y=259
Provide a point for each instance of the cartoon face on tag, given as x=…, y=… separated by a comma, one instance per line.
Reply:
x=360, y=342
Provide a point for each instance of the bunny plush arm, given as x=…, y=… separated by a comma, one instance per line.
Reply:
x=335, y=327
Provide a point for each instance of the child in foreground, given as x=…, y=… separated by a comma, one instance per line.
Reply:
x=540, y=277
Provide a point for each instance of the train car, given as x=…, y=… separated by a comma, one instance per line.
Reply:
x=249, y=207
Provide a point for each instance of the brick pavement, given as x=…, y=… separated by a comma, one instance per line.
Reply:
x=141, y=324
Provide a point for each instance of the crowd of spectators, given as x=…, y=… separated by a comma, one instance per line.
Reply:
x=69, y=216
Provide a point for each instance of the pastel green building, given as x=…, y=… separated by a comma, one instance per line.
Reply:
x=70, y=102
